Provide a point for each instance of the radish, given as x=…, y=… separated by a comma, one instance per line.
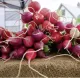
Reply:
x=44, y=11
x=15, y=41
x=22, y=33
x=60, y=46
x=41, y=54
x=37, y=35
x=31, y=29
x=51, y=31
x=76, y=50
x=20, y=51
x=14, y=54
x=38, y=45
x=74, y=32
x=60, y=26
x=31, y=55
x=32, y=23
x=26, y=17
x=6, y=34
x=4, y=56
x=78, y=27
x=28, y=41
x=5, y=49
x=68, y=27
x=52, y=17
x=45, y=39
x=17, y=53
x=56, y=37
x=47, y=26
x=66, y=37
x=66, y=45
x=34, y=6
x=38, y=18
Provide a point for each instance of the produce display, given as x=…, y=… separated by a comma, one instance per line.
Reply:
x=43, y=35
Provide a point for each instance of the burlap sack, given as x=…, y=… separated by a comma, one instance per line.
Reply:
x=63, y=66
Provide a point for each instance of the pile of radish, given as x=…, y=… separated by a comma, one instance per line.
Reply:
x=43, y=35
x=43, y=28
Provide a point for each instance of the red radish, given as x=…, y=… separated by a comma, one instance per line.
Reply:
x=41, y=54
x=66, y=37
x=18, y=53
x=76, y=50
x=45, y=39
x=47, y=26
x=31, y=29
x=78, y=27
x=68, y=27
x=15, y=47
x=26, y=17
x=0, y=40
x=5, y=49
x=22, y=33
x=28, y=41
x=60, y=46
x=14, y=54
x=4, y=56
x=38, y=45
x=51, y=31
x=44, y=11
x=32, y=23
x=70, y=49
x=6, y=34
x=52, y=17
x=15, y=41
x=38, y=18
x=66, y=45
x=34, y=6
x=37, y=35
x=56, y=37
x=31, y=54
x=60, y=26
x=21, y=50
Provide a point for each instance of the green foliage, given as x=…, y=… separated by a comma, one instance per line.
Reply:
x=26, y=25
x=78, y=20
x=46, y=49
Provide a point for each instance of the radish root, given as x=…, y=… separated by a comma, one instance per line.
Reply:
x=36, y=70
x=70, y=40
x=63, y=55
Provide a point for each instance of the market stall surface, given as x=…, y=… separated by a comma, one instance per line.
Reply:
x=61, y=66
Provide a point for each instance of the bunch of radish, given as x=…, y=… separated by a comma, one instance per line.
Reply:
x=44, y=34
x=42, y=27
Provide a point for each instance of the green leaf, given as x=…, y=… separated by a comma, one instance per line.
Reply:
x=49, y=43
x=78, y=20
x=46, y=49
x=26, y=25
